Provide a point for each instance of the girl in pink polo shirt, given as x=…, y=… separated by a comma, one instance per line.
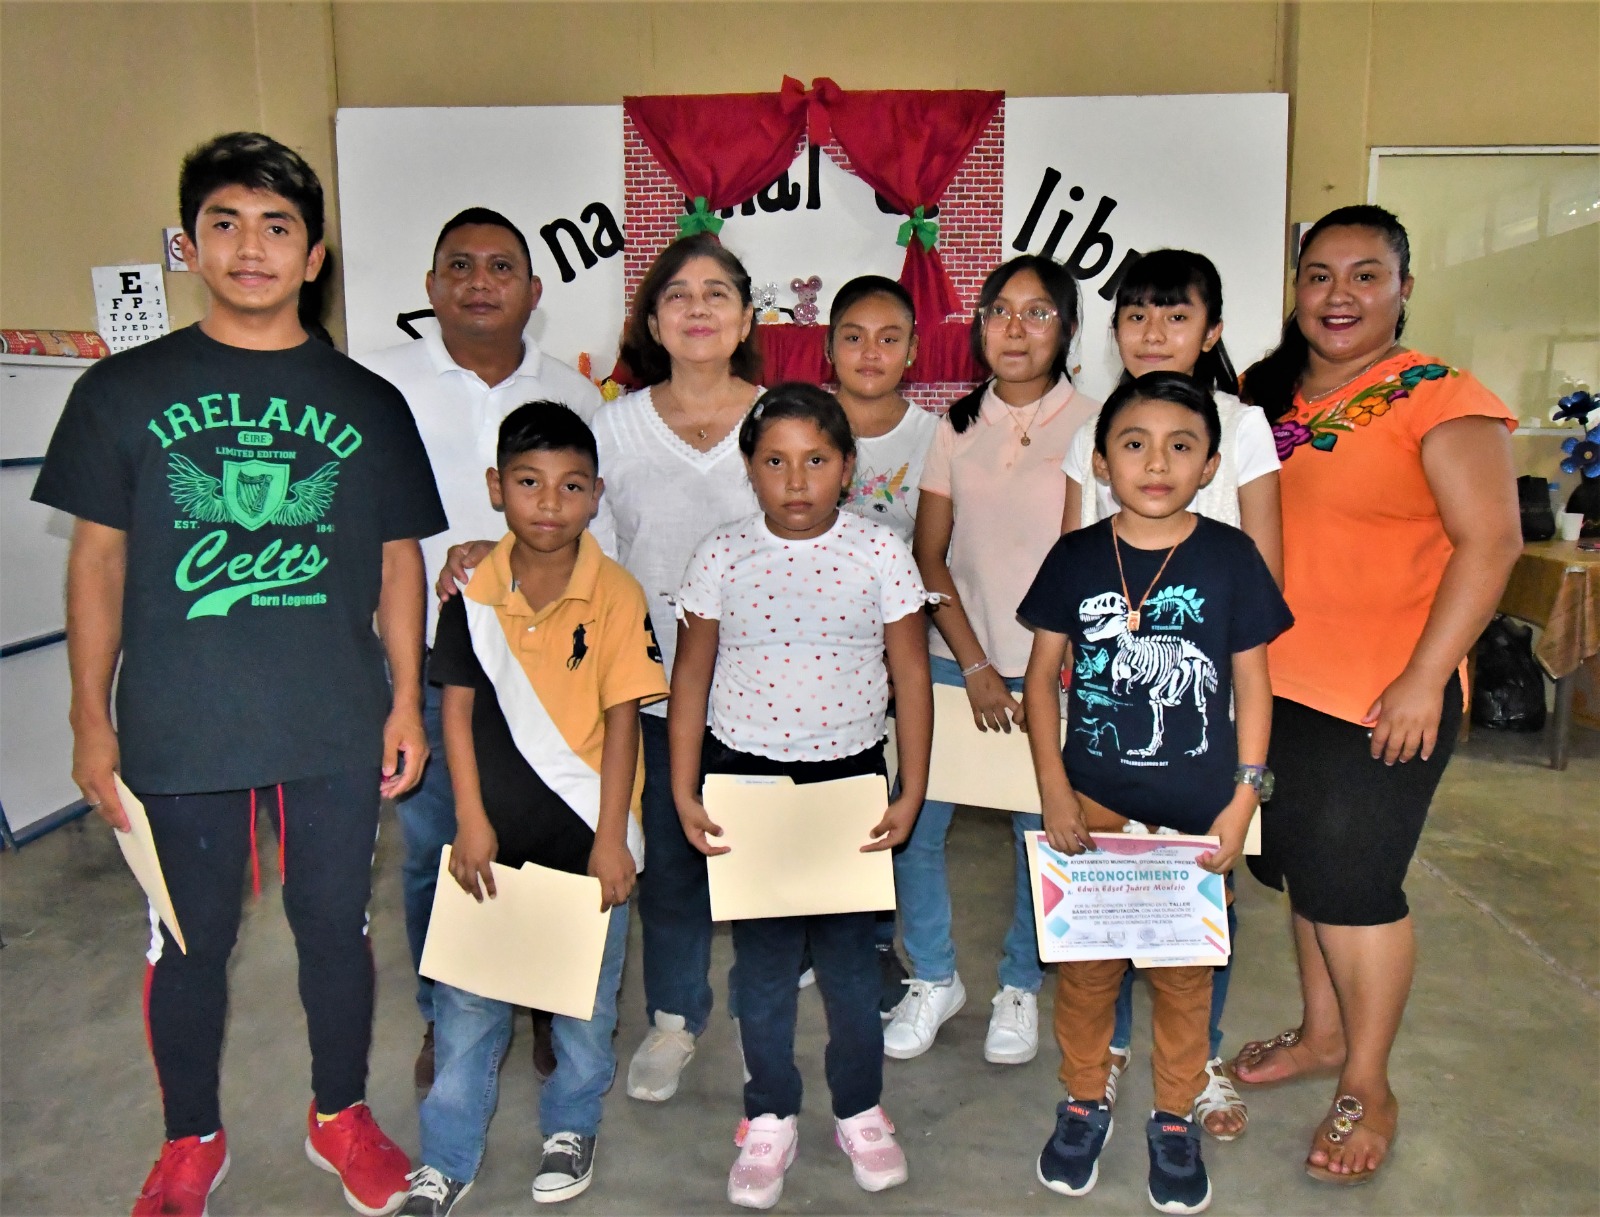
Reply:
x=990, y=509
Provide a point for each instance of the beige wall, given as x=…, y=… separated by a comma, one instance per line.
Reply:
x=98, y=105
x=98, y=102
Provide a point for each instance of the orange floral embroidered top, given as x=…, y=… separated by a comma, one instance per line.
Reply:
x=1364, y=547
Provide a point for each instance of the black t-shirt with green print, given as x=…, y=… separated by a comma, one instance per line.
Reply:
x=257, y=489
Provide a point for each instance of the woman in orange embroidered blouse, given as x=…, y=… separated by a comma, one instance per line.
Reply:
x=1400, y=528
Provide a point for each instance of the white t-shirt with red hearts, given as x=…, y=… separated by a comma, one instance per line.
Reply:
x=800, y=670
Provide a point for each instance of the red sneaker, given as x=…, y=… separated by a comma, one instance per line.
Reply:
x=185, y=1174
x=372, y=1168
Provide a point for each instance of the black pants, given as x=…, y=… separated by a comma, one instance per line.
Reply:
x=326, y=837
x=843, y=950
x=1341, y=827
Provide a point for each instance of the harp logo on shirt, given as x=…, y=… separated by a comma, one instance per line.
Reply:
x=252, y=493
x=253, y=488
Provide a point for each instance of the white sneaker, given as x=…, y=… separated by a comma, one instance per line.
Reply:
x=876, y=1160
x=1013, y=1037
x=808, y=978
x=917, y=1019
x=653, y=1073
x=767, y=1146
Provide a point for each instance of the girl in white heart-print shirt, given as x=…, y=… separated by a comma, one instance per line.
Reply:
x=793, y=622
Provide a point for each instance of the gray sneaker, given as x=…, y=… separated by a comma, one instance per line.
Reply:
x=432, y=1194
x=566, y=1169
x=653, y=1072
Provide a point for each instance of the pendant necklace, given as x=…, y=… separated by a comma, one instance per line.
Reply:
x=1135, y=610
x=700, y=430
x=1032, y=418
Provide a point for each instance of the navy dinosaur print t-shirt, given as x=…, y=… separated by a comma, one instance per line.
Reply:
x=1150, y=731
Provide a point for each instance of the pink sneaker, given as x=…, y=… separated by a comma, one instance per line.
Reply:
x=767, y=1147
x=877, y=1161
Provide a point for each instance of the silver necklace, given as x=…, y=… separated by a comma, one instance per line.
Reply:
x=1351, y=380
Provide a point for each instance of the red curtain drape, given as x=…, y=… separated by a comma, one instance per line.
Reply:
x=908, y=145
x=723, y=146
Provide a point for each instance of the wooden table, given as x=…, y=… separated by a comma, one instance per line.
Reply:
x=1556, y=586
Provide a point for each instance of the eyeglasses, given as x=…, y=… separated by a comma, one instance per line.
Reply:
x=1035, y=319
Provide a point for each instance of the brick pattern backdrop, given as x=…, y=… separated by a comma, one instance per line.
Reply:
x=969, y=224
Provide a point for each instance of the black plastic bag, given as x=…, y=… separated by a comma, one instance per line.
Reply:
x=1509, y=692
x=1538, y=520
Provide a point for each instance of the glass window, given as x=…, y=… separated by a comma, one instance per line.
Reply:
x=1505, y=247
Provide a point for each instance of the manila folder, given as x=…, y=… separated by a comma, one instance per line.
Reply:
x=139, y=852
x=795, y=851
x=537, y=942
x=978, y=768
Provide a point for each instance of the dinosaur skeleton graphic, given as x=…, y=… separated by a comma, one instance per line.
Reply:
x=1170, y=668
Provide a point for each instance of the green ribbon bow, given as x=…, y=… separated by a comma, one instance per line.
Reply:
x=701, y=219
x=925, y=230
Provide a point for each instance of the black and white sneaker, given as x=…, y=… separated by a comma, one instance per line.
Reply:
x=566, y=1169
x=432, y=1194
x=1069, y=1163
x=1178, y=1180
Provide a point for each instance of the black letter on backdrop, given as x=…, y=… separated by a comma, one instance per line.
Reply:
x=551, y=233
x=607, y=237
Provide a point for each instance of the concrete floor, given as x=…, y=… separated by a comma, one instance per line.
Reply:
x=1496, y=1068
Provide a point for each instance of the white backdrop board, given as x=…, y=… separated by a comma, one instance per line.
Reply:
x=1207, y=173
x=1098, y=177
x=553, y=171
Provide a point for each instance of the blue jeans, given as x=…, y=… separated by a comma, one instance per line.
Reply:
x=922, y=885
x=427, y=824
x=1122, y=1033
x=844, y=953
x=470, y=1038
x=674, y=898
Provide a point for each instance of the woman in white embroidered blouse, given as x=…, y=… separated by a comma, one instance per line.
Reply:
x=670, y=459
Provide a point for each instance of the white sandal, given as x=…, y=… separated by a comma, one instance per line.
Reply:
x=1119, y=1062
x=1219, y=1095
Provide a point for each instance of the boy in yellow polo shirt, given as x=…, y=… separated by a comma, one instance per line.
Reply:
x=545, y=658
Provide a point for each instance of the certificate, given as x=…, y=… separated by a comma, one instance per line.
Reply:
x=1134, y=897
x=795, y=851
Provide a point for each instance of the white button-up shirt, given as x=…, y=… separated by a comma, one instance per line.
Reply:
x=459, y=417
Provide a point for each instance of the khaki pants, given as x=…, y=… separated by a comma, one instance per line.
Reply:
x=1086, y=999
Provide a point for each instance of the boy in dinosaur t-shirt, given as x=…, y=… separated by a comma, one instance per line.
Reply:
x=1168, y=615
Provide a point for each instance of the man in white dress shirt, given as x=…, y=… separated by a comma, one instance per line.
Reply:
x=460, y=380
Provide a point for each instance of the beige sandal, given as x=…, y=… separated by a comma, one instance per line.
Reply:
x=1348, y=1111
x=1119, y=1062
x=1220, y=1096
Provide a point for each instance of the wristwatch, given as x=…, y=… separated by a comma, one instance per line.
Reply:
x=1258, y=777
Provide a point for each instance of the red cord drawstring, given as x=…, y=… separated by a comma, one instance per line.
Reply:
x=255, y=864
x=282, y=877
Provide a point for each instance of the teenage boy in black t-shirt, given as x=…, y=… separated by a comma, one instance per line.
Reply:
x=1167, y=616
x=247, y=502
